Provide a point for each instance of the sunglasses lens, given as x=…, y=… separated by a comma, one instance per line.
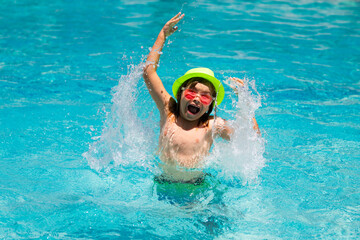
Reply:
x=189, y=94
x=204, y=98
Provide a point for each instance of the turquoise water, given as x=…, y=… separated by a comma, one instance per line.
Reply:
x=79, y=132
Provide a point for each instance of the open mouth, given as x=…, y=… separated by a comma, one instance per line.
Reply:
x=193, y=109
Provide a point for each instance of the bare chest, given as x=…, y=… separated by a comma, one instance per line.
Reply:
x=187, y=141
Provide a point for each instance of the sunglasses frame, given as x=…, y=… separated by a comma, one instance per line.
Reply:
x=198, y=93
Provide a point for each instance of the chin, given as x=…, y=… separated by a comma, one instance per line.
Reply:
x=191, y=117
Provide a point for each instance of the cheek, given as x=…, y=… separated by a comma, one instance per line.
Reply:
x=183, y=103
x=205, y=109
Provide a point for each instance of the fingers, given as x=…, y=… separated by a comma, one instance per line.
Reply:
x=169, y=28
x=241, y=82
x=181, y=16
x=177, y=18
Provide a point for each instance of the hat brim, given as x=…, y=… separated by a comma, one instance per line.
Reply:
x=219, y=88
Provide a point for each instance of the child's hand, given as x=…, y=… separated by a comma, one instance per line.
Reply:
x=236, y=84
x=170, y=27
x=237, y=81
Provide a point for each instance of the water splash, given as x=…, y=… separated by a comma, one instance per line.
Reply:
x=241, y=157
x=130, y=141
x=125, y=139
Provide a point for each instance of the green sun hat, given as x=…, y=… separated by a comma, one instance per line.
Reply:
x=204, y=73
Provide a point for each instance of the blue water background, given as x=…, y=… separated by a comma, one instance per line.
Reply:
x=59, y=61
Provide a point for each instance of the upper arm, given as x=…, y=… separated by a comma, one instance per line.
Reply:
x=156, y=89
x=222, y=128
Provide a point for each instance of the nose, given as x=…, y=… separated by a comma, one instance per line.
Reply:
x=197, y=99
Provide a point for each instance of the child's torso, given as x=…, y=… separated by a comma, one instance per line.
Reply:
x=183, y=147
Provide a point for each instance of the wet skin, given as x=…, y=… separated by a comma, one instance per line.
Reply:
x=185, y=103
x=182, y=141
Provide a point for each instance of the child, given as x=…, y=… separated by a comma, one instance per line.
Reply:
x=187, y=129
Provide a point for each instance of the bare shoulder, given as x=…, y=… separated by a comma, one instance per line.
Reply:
x=168, y=110
x=217, y=122
x=221, y=128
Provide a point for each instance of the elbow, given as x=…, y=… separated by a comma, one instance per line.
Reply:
x=145, y=75
x=149, y=68
x=227, y=137
x=227, y=133
x=145, y=71
x=148, y=71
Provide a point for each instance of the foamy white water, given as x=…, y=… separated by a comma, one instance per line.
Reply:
x=242, y=156
x=129, y=140
x=125, y=139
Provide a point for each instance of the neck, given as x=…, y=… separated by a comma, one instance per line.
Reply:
x=186, y=124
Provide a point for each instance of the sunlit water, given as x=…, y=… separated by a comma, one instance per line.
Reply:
x=79, y=131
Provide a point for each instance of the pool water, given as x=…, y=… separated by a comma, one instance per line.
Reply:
x=79, y=132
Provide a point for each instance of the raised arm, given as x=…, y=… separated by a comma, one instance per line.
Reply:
x=152, y=80
x=241, y=82
x=222, y=128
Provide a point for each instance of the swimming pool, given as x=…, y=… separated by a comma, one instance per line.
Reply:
x=79, y=131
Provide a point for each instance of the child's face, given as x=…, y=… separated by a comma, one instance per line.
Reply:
x=193, y=109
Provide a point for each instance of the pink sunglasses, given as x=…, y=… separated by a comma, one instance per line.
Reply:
x=205, y=98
